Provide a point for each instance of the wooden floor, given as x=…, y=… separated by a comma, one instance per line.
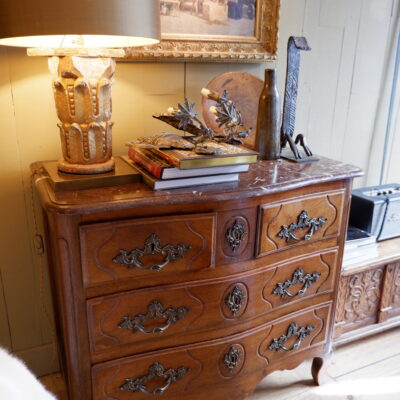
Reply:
x=368, y=369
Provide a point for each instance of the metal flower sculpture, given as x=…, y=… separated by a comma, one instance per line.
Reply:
x=227, y=117
x=205, y=140
x=185, y=114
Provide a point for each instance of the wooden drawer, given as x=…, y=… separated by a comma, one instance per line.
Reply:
x=143, y=320
x=292, y=222
x=301, y=279
x=153, y=248
x=186, y=372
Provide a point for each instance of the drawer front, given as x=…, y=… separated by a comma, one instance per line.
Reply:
x=146, y=248
x=297, y=221
x=144, y=320
x=301, y=279
x=190, y=371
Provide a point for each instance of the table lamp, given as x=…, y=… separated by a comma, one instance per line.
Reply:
x=81, y=39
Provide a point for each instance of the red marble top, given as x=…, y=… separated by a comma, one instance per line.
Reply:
x=263, y=178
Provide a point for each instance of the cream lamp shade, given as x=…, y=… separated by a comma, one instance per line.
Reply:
x=101, y=23
x=82, y=36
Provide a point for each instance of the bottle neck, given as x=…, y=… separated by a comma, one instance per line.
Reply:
x=270, y=77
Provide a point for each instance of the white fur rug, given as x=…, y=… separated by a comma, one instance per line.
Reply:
x=17, y=382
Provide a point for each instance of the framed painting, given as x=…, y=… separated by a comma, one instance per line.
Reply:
x=214, y=30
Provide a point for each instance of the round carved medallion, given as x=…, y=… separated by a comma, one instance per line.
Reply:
x=236, y=231
x=231, y=360
x=234, y=300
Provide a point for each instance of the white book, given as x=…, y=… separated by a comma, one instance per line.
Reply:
x=158, y=184
x=175, y=173
x=196, y=181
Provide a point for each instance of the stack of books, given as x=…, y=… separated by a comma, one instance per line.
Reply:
x=359, y=246
x=168, y=169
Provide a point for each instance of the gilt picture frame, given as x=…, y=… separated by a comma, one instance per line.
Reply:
x=214, y=31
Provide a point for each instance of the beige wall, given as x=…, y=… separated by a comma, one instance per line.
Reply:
x=340, y=89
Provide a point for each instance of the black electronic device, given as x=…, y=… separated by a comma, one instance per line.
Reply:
x=376, y=210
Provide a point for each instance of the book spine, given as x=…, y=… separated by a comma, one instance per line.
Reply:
x=171, y=160
x=149, y=165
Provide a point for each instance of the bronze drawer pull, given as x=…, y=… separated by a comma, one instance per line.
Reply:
x=152, y=245
x=303, y=221
x=235, y=235
x=232, y=358
x=235, y=300
x=155, y=371
x=282, y=289
x=154, y=311
x=293, y=330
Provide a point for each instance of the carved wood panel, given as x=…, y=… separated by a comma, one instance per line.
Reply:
x=394, y=291
x=396, y=287
x=298, y=221
x=369, y=298
x=340, y=304
x=362, y=299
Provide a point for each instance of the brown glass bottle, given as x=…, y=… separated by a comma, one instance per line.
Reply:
x=268, y=142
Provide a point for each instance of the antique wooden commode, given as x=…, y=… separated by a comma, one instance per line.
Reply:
x=196, y=293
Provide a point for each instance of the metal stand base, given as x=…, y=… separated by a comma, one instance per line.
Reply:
x=288, y=155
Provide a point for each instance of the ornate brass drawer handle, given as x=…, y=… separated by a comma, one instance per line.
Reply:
x=293, y=331
x=303, y=221
x=282, y=289
x=152, y=245
x=154, y=311
x=156, y=371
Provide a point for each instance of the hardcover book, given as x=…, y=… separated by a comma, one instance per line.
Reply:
x=185, y=159
x=161, y=169
x=157, y=184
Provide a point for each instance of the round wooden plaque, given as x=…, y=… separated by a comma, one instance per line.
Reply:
x=244, y=90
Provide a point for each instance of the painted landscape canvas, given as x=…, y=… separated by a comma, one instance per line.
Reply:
x=201, y=18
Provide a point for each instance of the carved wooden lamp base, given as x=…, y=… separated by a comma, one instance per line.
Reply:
x=86, y=169
x=82, y=94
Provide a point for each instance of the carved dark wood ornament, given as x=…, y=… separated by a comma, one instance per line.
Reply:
x=152, y=245
x=232, y=358
x=235, y=300
x=282, y=289
x=235, y=235
x=156, y=371
x=295, y=45
x=303, y=221
x=293, y=331
x=154, y=311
